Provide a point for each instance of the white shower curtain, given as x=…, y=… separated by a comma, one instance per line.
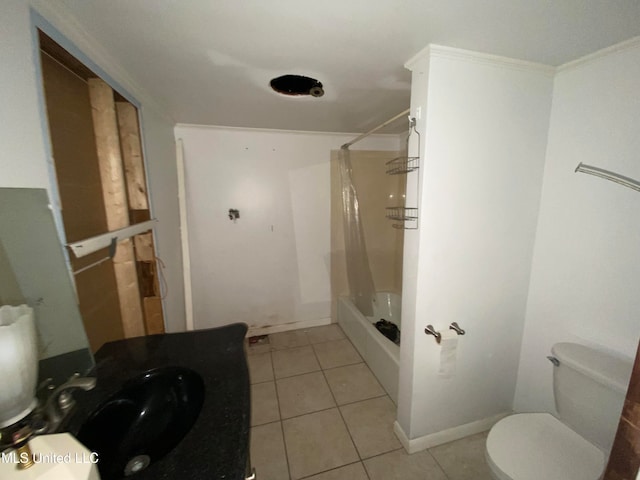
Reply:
x=358, y=269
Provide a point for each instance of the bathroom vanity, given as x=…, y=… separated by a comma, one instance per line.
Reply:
x=216, y=446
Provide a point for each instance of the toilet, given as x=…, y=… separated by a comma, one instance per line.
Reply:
x=589, y=387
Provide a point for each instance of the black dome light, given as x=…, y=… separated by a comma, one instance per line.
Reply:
x=296, y=85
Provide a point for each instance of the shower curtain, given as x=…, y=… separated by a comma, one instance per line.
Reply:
x=358, y=269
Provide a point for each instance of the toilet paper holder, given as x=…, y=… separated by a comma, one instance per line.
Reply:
x=454, y=326
x=431, y=331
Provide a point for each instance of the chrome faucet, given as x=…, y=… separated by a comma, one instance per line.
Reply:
x=60, y=402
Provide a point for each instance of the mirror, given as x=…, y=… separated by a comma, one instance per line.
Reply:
x=33, y=270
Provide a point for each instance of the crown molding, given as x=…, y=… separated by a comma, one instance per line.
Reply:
x=617, y=48
x=441, y=51
x=423, y=54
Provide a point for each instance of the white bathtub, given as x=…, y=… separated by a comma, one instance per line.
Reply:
x=380, y=353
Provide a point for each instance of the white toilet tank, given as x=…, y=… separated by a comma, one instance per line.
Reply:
x=590, y=387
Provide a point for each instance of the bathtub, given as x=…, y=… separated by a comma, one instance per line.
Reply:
x=380, y=353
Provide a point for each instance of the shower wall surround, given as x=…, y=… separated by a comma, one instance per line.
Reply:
x=271, y=267
x=376, y=191
x=484, y=120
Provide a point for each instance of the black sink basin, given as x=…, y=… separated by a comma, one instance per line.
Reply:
x=144, y=421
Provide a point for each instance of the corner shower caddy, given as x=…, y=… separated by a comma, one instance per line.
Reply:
x=401, y=166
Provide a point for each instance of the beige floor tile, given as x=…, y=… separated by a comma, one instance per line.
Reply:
x=371, y=426
x=304, y=394
x=355, y=471
x=260, y=369
x=256, y=349
x=336, y=354
x=294, y=361
x=290, y=339
x=264, y=403
x=267, y=452
x=353, y=383
x=317, y=442
x=464, y=459
x=326, y=333
x=398, y=465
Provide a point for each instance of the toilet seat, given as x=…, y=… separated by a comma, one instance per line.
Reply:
x=532, y=446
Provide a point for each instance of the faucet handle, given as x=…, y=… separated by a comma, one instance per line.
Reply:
x=65, y=400
x=76, y=381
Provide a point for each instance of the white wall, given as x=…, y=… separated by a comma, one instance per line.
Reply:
x=271, y=268
x=484, y=123
x=586, y=263
x=160, y=155
x=24, y=161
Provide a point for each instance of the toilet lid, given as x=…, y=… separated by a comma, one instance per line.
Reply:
x=531, y=446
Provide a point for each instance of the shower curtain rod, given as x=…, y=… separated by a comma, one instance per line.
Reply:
x=607, y=175
x=382, y=125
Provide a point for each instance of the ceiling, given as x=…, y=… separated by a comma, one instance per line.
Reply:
x=210, y=61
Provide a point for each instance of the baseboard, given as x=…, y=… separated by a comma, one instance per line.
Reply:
x=445, y=436
x=285, y=327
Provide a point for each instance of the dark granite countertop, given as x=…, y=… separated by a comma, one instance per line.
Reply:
x=217, y=446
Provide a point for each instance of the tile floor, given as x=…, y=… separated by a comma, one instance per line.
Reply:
x=318, y=413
